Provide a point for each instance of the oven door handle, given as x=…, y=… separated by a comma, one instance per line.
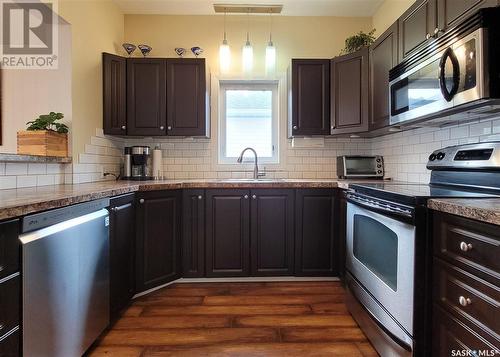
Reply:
x=403, y=213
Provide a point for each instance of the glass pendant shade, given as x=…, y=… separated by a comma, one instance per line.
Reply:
x=270, y=58
x=224, y=57
x=247, y=57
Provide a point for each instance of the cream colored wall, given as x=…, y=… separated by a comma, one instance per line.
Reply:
x=388, y=12
x=27, y=93
x=97, y=26
x=310, y=37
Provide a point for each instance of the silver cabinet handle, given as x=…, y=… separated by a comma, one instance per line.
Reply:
x=169, y=128
x=295, y=127
x=464, y=301
x=465, y=247
x=254, y=196
x=162, y=127
x=1, y=267
x=245, y=197
x=141, y=201
x=2, y=326
x=124, y=127
x=200, y=197
x=428, y=36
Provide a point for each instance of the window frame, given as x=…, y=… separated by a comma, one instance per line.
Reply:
x=250, y=84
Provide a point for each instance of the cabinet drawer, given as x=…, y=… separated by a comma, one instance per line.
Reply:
x=461, y=293
x=452, y=337
x=9, y=248
x=10, y=296
x=10, y=344
x=468, y=244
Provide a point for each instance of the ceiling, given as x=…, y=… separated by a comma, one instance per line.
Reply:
x=290, y=7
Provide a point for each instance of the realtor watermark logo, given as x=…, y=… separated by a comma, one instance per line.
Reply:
x=29, y=34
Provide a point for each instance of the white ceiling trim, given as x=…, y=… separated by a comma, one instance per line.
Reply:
x=343, y=8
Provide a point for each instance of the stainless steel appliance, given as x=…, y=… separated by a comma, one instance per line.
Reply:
x=141, y=163
x=127, y=162
x=65, y=279
x=455, y=77
x=350, y=166
x=388, y=249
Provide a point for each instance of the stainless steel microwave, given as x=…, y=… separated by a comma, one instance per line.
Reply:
x=455, y=76
x=360, y=166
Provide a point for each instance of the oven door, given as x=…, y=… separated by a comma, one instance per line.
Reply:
x=380, y=255
x=451, y=77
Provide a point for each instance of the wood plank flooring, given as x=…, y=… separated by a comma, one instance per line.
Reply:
x=268, y=319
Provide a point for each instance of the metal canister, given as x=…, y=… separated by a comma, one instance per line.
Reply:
x=127, y=162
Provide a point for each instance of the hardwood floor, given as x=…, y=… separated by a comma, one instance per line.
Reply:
x=237, y=319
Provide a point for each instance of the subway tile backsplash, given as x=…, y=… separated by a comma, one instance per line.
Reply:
x=405, y=155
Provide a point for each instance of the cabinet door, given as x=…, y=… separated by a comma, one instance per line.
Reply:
x=228, y=231
x=10, y=345
x=10, y=248
x=451, y=12
x=186, y=97
x=272, y=232
x=383, y=57
x=121, y=247
x=415, y=25
x=314, y=233
x=340, y=242
x=114, y=76
x=146, y=96
x=158, y=245
x=350, y=93
x=193, y=238
x=310, y=97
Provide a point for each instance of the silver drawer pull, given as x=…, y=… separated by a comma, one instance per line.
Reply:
x=254, y=196
x=1, y=267
x=200, y=197
x=2, y=326
x=245, y=197
x=141, y=201
x=465, y=247
x=464, y=301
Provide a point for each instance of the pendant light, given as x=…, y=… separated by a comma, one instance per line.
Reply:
x=247, y=52
x=270, y=50
x=224, y=52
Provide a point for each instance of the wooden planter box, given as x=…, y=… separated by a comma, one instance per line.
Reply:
x=42, y=143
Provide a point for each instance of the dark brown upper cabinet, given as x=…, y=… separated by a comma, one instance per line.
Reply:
x=416, y=26
x=383, y=57
x=310, y=95
x=350, y=91
x=158, y=251
x=114, y=74
x=227, y=233
x=315, y=233
x=271, y=227
x=146, y=96
x=451, y=12
x=186, y=97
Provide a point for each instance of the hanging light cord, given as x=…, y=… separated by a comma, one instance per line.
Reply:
x=225, y=39
x=271, y=27
x=248, y=26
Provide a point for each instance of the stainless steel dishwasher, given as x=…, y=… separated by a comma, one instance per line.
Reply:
x=65, y=254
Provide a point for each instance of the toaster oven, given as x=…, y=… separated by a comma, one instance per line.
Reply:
x=350, y=166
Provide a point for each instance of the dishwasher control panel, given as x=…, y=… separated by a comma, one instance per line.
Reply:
x=58, y=215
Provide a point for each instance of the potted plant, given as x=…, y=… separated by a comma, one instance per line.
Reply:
x=44, y=136
x=358, y=41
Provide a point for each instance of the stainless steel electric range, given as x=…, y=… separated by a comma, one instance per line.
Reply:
x=388, y=245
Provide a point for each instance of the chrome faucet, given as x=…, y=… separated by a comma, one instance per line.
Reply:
x=256, y=174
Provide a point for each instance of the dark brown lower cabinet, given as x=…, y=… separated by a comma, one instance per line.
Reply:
x=340, y=241
x=315, y=232
x=227, y=233
x=272, y=230
x=158, y=252
x=121, y=257
x=10, y=344
x=193, y=237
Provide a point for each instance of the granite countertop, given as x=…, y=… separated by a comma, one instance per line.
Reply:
x=481, y=209
x=19, y=202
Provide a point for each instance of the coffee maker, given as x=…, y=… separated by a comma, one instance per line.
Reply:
x=137, y=164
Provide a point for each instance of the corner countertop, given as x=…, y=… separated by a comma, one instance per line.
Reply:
x=23, y=201
x=480, y=209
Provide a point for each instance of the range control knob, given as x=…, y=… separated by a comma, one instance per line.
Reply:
x=432, y=157
x=440, y=156
x=378, y=160
x=379, y=171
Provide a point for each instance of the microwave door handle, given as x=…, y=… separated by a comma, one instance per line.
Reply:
x=449, y=53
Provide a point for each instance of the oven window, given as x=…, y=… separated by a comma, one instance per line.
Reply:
x=376, y=246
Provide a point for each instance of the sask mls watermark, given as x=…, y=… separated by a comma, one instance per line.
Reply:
x=29, y=35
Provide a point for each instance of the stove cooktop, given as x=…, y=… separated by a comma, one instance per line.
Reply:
x=413, y=194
